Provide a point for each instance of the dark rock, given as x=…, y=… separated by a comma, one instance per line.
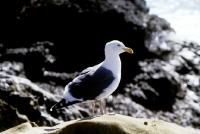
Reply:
x=49, y=42
x=12, y=68
x=9, y=116
x=155, y=88
x=82, y=24
x=34, y=102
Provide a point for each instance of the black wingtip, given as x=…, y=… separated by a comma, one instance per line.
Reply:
x=62, y=104
x=54, y=107
x=51, y=109
x=58, y=105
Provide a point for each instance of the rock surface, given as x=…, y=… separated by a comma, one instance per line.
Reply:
x=34, y=102
x=106, y=124
x=9, y=116
x=42, y=43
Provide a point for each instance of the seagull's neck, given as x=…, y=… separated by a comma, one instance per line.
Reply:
x=113, y=63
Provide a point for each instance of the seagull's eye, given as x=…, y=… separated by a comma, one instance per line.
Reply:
x=118, y=45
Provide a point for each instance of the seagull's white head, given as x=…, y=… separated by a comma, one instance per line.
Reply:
x=116, y=47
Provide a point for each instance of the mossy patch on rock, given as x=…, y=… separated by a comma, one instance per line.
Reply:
x=106, y=124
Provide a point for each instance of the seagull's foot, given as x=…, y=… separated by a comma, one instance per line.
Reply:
x=102, y=112
x=113, y=113
x=93, y=105
x=101, y=107
x=110, y=114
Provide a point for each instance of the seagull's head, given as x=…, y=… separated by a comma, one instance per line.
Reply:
x=116, y=47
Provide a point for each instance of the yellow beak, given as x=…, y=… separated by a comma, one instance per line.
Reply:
x=129, y=50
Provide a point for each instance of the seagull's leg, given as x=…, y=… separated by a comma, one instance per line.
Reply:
x=101, y=107
x=93, y=104
x=102, y=111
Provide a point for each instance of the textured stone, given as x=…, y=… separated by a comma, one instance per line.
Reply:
x=107, y=124
x=9, y=116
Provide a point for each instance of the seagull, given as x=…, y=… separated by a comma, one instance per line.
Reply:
x=97, y=82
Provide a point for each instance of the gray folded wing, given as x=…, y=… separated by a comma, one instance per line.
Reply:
x=91, y=83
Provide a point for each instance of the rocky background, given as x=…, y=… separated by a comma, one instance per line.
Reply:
x=44, y=44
